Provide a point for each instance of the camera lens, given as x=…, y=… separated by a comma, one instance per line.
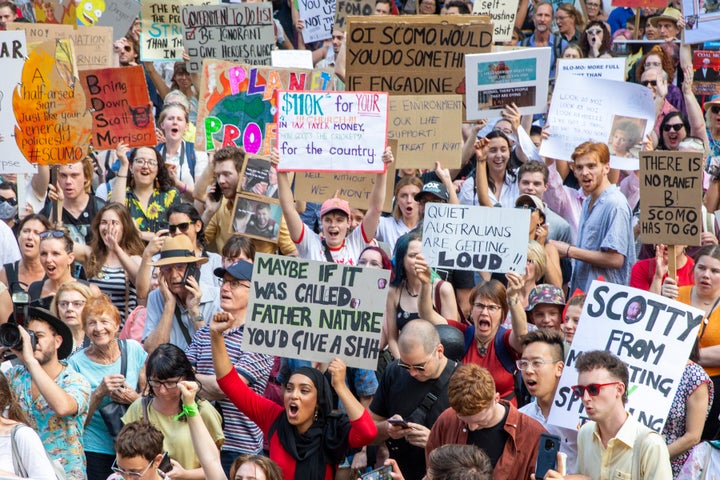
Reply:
x=10, y=336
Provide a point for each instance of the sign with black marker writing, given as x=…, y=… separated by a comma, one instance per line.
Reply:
x=464, y=237
x=671, y=193
x=161, y=37
x=318, y=16
x=502, y=13
x=316, y=311
x=652, y=334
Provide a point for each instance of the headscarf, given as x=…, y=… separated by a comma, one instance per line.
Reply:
x=325, y=442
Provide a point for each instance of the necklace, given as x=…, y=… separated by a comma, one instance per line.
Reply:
x=482, y=349
x=414, y=295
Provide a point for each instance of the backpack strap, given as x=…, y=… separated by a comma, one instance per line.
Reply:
x=191, y=157
x=145, y=405
x=17, y=461
x=501, y=352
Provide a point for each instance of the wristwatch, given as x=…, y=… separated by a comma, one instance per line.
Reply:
x=197, y=318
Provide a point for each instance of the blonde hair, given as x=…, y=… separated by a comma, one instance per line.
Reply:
x=536, y=254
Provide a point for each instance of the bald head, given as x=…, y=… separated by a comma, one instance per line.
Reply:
x=418, y=333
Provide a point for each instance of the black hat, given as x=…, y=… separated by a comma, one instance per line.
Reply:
x=66, y=348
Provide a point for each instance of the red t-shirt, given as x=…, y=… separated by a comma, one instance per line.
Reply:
x=643, y=272
x=504, y=380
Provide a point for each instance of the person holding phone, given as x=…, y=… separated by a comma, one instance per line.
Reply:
x=179, y=308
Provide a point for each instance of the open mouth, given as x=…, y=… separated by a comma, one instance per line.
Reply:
x=293, y=410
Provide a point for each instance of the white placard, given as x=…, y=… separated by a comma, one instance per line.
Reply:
x=605, y=68
x=292, y=59
x=502, y=14
x=319, y=16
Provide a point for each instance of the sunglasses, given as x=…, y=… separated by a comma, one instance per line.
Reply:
x=715, y=109
x=593, y=389
x=532, y=208
x=11, y=201
x=127, y=48
x=676, y=127
x=52, y=233
x=180, y=226
x=645, y=83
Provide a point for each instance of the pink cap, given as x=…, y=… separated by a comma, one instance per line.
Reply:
x=335, y=204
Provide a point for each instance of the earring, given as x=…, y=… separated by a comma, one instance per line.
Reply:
x=157, y=183
x=316, y=415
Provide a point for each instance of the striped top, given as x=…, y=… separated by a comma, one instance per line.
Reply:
x=111, y=281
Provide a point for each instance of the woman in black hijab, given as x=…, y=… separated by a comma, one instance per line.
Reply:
x=307, y=440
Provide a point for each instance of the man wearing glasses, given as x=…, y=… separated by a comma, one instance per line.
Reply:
x=241, y=434
x=613, y=444
x=412, y=395
x=139, y=447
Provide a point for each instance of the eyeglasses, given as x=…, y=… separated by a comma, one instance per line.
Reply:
x=675, y=126
x=123, y=473
x=506, y=131
x=175, y=266
x=536, y=364
x=168, y=384
x=234, y=283
x=181, y=226
x=52, y=233
x=11, y=201
x=489, y=308
x=715, y=109
x=645, y=83
x=77, y=304
x=532, y=208
x=127, y=48
x=653, y=64
x=142, y=162
x=593, y=389
x=594, y=31
x=420, y=367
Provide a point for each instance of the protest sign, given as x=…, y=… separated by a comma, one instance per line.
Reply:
x=318, y=16
x=652, y=334
x=53, y=12
x=316, y=311
x=639, y=3
x=356, y=8
x=706, y=81
x=413, y=55
x=120, y=15
x=161, y=37
x=321, y=131
x=13, y=51
x=257, y=217
x=292, y=59
x=585, y=109
x=237, y=103
x=423, y=127
x=121, y=107
x=465, y=237
x=92, y=46
x=238, y=33
x=258, y=177
x=671, y=192
x=702, y=21
x=53, y=123
x=502, y=14
x=494, y=80
x=605, y=68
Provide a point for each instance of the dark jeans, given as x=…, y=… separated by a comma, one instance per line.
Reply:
x=99, y=465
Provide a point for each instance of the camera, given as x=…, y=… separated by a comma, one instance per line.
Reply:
x=10, y=332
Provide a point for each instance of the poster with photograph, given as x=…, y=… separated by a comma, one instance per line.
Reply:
x=706, y=80
x=259, y=177
x=256, y=218
x=702, y=21
x=626, y=136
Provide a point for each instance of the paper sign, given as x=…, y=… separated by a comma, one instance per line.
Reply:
x=502, y=13
x=321, y=131
x=652, y=334
x=413, y=55
x=316, y=311
x=121, y=106
x=427, y=129
x=238, y=33
x=292, y=59
x=347, y=8
x=53, y=123
x=671, y=192
x=497, y=79
x=702, y=21
x=318, y=16
x=464, y=237
x=120, y=15
x=92, y=45
x=639, y=3
x=53, y=12
x=161, y=37
x=706, y=81
x=585, y=109
x=605, y=68
x=237, y=103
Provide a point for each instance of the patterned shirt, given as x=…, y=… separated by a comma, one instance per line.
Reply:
x=62, y=436
x=152, y=218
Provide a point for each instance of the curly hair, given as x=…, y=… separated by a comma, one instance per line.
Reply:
x=665, y=60
x=606, y=44
x=163, y=180
x=130, y=242
x=471, y=389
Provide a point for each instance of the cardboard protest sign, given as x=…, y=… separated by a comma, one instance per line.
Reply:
x=80, y=12
x=237, y=103
x=319, y=16
x=413, y=54
x=671, y=193
x=53, y=123
x=121, y=107
x=702, y=21
x=355, y=8
x=120, y=15
x=585, y=109
x=161, y=37
x=238, y=33
x=706, y=65
x=605, y=68
x=427, y=129
x=92, y=46
x=465, y=237
x=13, y=51
x=292, y=59
x=502, y=14
x=316, y=311
x=652, y=334
x=494, y=80
x=321, y=131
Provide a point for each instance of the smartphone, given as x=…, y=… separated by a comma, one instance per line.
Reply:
x=165, y=464
x=398, y=422
x=53, y=174
x=216, y=195
x=382, y=473
x=193, y=270
x=548, y=448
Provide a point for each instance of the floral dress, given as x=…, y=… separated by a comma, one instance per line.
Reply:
x=152, y=218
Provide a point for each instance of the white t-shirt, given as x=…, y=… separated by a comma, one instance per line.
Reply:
x=9, y=250
x=310, y=247
x=508, y=195
x=31, y=451
x=389, y=230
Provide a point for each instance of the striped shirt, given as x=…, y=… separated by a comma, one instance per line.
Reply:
x=112, y=282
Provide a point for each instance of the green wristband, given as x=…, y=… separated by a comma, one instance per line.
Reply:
x=188, y=411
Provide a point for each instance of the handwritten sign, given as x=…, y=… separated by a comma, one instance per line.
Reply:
x=318, y=16
x=320, y=131
x=639, y=3
x=584, y=109
x=465, y=237
x=53, y=124
x=238, y=33
x=606, y=68
x=652, y=334
x=347, y=8
x=497, y=79
x=92, y=46
x=237, y=103
x=121, y=107
x=427, y=129
x=413, y=55
x=161, y=37
x=502, y=13
x=316, y=311
x=671, y=192
x=702, y=22
x=706, y=65
x=120, y=15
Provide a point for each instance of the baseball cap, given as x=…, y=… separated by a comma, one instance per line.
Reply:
x=242, y=270
x=545, y=294
x=335, y=204
x=436, y=189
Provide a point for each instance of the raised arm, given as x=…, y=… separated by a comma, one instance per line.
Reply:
x=425, y=298
x=287, y=202
x=481, y=181
x=377, y=198
x=517, y=312
x=121, y=182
